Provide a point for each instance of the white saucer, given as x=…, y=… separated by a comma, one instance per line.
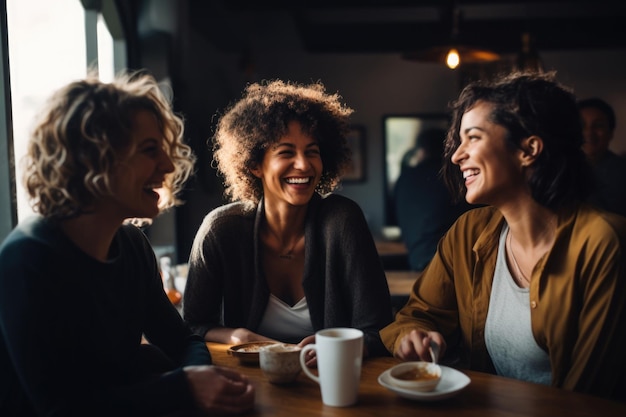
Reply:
x=452, y=381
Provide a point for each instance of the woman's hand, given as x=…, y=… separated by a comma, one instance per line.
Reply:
x=243, y=335
x=311, y=358
x=236, y=336
x=220, y=390
x=416, y=346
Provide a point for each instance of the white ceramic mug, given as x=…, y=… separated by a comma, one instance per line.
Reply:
x=339, y=354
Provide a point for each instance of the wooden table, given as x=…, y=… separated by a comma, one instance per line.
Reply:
x=391, y=248
x=486, y=395
x=393, y=254
x=401, y=282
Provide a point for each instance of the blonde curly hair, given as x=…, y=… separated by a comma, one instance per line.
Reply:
x=82, y=133
x=260, y=118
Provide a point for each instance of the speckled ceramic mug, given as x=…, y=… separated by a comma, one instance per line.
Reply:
x=280, y=362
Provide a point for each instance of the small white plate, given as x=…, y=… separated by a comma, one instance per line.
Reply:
x=452, y=381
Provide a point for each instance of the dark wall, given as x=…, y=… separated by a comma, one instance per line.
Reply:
x=215, y=51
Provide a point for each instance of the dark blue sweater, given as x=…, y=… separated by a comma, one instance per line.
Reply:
x=71, y=329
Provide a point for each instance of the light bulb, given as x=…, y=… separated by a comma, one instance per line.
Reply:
x=452, y=59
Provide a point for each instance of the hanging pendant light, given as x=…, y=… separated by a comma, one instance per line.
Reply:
x=453, y=59
x=528, y=59
x=455, y=52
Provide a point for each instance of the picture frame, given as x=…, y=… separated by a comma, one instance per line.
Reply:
x=356, y=171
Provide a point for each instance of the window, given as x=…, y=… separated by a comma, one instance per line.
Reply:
x=51, y=43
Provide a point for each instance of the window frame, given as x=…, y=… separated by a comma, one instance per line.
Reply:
x=8, y=203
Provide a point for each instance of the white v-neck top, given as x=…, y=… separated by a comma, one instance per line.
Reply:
x=284, y=322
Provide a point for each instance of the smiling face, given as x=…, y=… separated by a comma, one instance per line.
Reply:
x=291, y=168
x=492, y=171
x=596, y=132
x=140, y=173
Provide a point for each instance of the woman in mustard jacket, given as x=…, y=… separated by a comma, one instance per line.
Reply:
x=532, y=286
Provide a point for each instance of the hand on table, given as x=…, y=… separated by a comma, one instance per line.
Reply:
x=243, y=335
x=233, y=336
x=219, y=390
x=311, y=358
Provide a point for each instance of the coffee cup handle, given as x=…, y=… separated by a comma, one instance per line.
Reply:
x=305, y=368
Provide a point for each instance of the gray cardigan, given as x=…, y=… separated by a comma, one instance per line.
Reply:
x=344, y=281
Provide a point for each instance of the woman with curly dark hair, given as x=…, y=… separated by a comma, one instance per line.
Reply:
x=285, y=258
x=79, y=284
x=533, y=286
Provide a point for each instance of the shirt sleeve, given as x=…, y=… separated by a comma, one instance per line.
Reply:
x=597, y=356
x=202, y=301
x=57, y=360
x=432, y=304
x=353, y=260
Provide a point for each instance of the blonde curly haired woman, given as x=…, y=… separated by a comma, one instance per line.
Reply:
x=80, y=286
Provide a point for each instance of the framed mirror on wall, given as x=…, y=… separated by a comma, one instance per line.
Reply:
x=400, y=133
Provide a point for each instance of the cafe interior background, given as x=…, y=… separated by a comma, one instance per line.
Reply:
x=386, y=58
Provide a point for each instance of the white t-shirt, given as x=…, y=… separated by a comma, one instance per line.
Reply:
x=508, y=333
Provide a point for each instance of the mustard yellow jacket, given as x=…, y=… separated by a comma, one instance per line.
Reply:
x=577, y=295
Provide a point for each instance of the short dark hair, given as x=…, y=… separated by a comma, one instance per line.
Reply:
x=526, y=104
x=603, y=106
x=431, y=140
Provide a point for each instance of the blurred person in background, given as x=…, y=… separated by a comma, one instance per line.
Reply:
x=425, y=208
x=598, y=124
